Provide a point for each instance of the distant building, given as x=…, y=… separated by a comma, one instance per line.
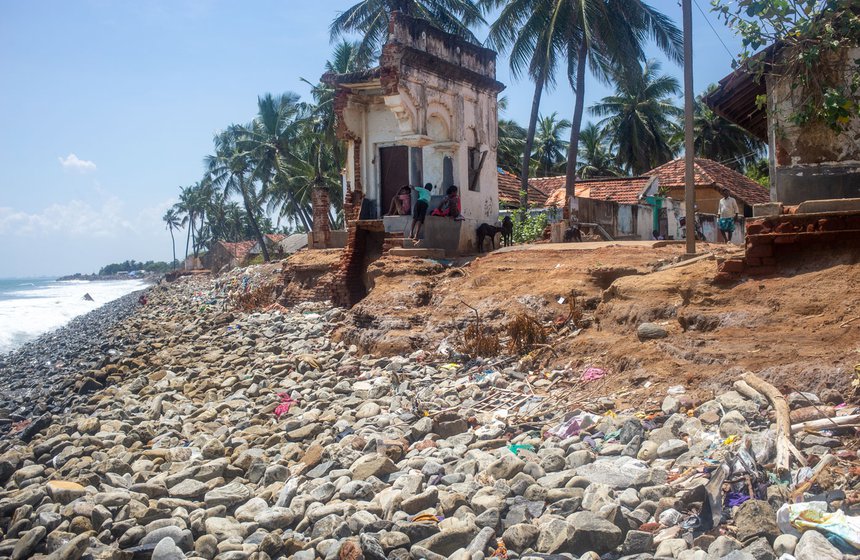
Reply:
x=624, y=190
x=710, y=179
x=509, y=191
x=223, y=254
x=273, y=241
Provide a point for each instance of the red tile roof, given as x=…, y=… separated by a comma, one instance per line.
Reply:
x=509, y=191
x=624, y=190
x=709, y=173
x=239, y=249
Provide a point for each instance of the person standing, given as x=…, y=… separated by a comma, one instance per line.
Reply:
x=420, y=210
x=728, y=216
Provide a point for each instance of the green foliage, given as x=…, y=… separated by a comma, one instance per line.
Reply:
x=639, y=118
x=759, y=171
x=133, y=265
x=813, y=37
x=528, y=227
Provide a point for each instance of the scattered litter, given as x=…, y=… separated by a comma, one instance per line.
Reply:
x=841, y=530
x=573, y=424
x=516, y=448
x=593, y=374
x=286, y=402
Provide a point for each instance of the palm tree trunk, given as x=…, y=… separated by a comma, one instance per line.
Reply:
x=192, y=221
x=300, y=211
x=530, y=138
x=188, y=239
x=573, y=148
x=255, y=226
x=173, y=242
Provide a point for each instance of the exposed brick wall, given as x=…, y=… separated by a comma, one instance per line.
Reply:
x=347, y=287
x=773, y=238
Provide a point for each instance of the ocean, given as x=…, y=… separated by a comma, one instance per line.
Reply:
x=30, y=307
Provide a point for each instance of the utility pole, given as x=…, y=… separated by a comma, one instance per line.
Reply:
x=689, y=149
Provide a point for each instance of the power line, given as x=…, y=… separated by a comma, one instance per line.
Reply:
x=711, y=25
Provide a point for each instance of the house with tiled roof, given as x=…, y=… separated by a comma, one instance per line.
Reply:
x=223, y=254
x=623, y=190
x=509, y=191
x=272, y=244
x=710, y=179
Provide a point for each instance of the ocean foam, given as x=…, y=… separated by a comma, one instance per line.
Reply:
x=31, y=309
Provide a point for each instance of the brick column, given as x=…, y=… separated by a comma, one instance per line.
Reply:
x=322, y=225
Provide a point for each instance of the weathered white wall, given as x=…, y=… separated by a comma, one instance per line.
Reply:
x=810, y=161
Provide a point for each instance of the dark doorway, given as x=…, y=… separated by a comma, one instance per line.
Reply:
x=394, y=173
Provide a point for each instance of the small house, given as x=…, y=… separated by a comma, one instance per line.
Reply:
x=426, y=114
x=223, y=254
x=710, y=178
x=273, y=246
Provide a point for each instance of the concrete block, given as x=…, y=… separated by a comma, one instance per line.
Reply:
x=832, y=205
x=767, y=209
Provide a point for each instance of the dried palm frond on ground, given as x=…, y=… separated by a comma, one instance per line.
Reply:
x=526, y=332
x=480, y=341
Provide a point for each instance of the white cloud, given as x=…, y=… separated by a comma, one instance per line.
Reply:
x=80, y=219
x=73, y=163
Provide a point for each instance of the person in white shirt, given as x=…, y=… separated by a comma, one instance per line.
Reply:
x=728, y=216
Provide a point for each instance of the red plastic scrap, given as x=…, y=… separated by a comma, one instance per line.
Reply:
x=286, y=402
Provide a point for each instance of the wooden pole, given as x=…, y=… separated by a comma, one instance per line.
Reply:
x=689, y=149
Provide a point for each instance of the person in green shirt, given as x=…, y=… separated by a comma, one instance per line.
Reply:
x=420, y=210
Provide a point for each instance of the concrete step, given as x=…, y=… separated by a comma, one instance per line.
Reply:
x=418, y=252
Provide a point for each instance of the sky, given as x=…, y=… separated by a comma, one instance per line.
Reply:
x=107, y=107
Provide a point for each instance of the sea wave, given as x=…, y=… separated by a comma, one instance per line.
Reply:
x=37, y=309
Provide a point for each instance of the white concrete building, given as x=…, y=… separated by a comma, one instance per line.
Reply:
x=426, y=114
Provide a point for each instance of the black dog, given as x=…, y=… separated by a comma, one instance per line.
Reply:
x=486, y=230
x=507, y=231
x=572, y=234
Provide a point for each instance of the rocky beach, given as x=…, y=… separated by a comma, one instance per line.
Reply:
x=185, y=428
x=40, y=377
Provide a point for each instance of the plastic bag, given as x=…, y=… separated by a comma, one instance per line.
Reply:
x=841, y=530
x=573, y=425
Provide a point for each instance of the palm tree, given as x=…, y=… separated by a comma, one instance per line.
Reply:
x=511, y=139
x=640, y=117
x=595, y=158
x=550, y=148
x=270, y=142
x=231, y=169
x=172, y=221
x=720, y=140
x=370, y=19
x=608, y=37
x=536, y=32
x=186, y=208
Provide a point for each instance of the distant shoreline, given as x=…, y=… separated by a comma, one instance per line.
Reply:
x=151, y=276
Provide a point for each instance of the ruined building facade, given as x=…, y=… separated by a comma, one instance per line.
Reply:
x=426, y=114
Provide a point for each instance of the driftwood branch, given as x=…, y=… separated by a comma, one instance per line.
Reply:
x=825, y=423
x=784, y=446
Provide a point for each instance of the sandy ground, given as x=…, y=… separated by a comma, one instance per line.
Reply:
x=794, y=328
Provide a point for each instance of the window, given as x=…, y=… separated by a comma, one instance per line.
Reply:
x=476, y=162
x=447, y=172
x=416, y=166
